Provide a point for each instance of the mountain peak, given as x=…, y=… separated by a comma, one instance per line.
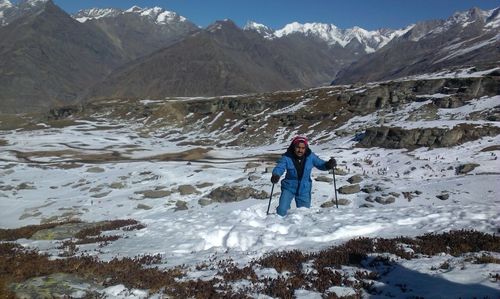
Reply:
x=476, y=12
x=493, y=20
x=5, y=4
x=222, y=24
x=96, y=13
x=466, y=17
x=332, y=35
x=11, y=11
x=255, y=26
x=460, y=19
x=134, y=8
x=307, y=28
x=262, y=29
x=156, y=14
x=32, y=2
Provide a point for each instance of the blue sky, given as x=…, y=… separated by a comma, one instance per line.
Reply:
x=368, y=14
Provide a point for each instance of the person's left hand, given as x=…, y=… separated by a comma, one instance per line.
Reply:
x=330, y=164
x=275, y=178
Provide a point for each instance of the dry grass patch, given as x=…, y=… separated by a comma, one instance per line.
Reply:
x=191, y=154
x=18, y=264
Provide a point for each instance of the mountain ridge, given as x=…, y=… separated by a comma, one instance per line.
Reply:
x=466, y=39
x=224, y=59
x=158, y=14
x=48, y=58
x=180, y=59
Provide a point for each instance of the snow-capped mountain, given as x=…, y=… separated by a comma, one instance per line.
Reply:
x=156, y=14
x=5, y=4
x=138, y=31
x=9, y=11
x=224, y=59
x=75, y=55
x=467, y=18
x=96, y=13
x=32, y=3
x=262, y=29
x=255, y=59
x=465, y=39
x=460, y=20
x=331, y=34
x=60, y=58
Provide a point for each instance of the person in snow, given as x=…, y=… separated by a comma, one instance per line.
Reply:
x=298, y=162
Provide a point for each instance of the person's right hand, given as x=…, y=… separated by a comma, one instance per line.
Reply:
x=332, y=163
x=275, y=178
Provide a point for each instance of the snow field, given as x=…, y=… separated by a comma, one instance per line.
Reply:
x=37, y=187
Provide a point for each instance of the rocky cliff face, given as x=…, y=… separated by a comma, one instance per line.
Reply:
x=321, y=113
x=454, y=92
x=387, y=137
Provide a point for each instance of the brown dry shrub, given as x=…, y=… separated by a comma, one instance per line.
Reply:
x=350, y=253
x=134, y=227
x=278, y=288
x=284, y=261
x=90, y=240
x=327, y=278
x=394, y=246
x=93, y=235
x=18, y=264
x=197, y=289
x=234, y=273
x=111, y=225
x=26, y=232
x=457, y=242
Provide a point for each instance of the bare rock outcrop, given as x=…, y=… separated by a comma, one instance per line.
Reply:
x=394, y=137
x=349, y=189
x=466, y=168
x=235, y=193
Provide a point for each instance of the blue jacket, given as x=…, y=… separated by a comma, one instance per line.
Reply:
x=300, y=187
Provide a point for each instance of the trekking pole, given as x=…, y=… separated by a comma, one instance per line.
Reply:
x=270, y=197
x=335, y=187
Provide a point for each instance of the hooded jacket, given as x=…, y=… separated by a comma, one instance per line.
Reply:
x=292, y=182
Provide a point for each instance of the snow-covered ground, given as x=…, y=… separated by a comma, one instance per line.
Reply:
x=38, y=186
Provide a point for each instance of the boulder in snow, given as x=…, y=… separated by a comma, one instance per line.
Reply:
x=355, y=179
x=466, y=168
x=349, y=189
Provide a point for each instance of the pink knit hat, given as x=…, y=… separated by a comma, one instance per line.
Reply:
x=300, y=139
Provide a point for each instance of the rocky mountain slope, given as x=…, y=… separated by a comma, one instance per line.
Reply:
x=10, y=12
x=466, y=39
x=48, y=58
x=138, y=31
x=305, y=55
x=222, y=59
x=239, y=120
